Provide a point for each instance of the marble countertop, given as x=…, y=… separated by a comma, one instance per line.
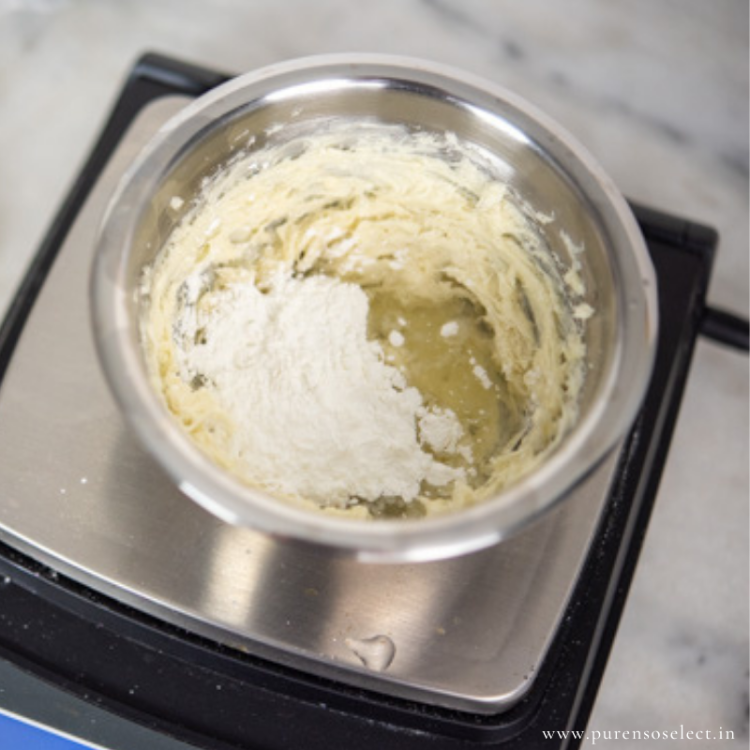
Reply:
x=658, y=92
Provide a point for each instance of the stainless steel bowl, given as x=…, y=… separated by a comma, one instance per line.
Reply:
x=544, y=165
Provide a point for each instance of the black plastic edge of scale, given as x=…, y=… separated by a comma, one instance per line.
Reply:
x=298, y=709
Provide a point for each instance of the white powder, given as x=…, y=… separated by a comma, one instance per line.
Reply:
x=481, y=374
x=441, y=431
x=317, y=411
x=449, y=329
x=396, y=339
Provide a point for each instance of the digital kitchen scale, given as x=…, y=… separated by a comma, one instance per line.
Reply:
x=119, y=589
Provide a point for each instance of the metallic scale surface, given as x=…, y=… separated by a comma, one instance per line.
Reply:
x=83, y=497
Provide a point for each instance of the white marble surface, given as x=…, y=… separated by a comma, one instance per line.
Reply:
x=657, y=90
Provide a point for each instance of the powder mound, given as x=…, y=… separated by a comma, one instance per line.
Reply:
x=318, y=413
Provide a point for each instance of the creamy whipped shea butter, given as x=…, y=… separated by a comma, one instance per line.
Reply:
x=365, y=321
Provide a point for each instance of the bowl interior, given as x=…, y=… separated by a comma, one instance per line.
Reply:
x=506, y=147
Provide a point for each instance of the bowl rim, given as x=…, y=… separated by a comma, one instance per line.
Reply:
x=445, y=535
